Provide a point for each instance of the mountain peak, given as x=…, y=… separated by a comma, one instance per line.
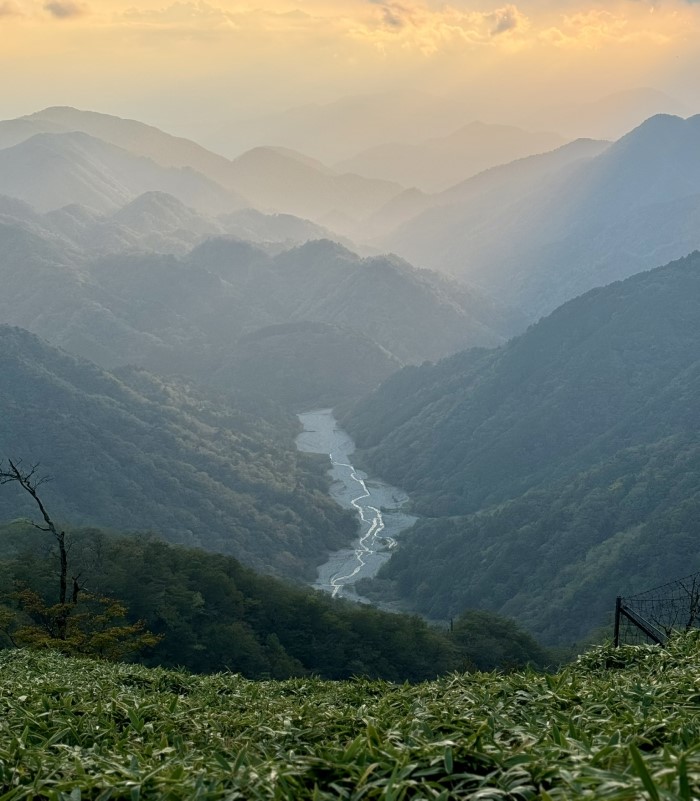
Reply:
x=270, y=155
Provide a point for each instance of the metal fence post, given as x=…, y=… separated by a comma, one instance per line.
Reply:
x=618, y=609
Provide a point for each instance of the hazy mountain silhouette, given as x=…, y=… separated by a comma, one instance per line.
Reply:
x=339, y=130
x=576, y=229
x=54, y=170
x=136, y=137
x=439, y=163
x=469, y=202
x=269, y=179
x=609, y=117
x=335, y=131
x=282, y=180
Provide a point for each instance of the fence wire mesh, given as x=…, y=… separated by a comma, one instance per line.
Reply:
x=653, y=615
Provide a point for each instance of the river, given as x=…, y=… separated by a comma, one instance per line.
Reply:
x=378, y=506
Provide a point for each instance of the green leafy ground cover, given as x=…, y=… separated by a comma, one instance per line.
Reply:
x=616, y=725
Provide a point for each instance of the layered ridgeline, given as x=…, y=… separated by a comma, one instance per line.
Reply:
x=134, y=452
x=213, y=614
x=557, y=471
x=571, y=228
x=438, y=163
x=63, y=155
x=208, y=313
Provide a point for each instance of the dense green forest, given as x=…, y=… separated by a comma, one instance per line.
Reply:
x=134, y=451
x=214, y=614
x=555, y=472
x=617, y=725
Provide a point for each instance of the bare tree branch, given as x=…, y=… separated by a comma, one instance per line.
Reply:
x=30, y=481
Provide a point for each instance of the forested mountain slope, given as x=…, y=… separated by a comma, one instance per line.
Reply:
x=132, y=451
x=557, y=470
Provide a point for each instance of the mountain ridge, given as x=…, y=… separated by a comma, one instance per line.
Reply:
x=575, y=231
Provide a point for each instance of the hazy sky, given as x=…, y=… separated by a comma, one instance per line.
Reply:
x=184, y=64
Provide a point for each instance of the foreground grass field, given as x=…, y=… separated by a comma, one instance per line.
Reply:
x=616, y=725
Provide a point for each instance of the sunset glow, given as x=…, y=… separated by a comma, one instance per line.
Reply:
x=230, y=60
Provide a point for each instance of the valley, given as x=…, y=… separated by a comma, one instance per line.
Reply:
x=490, y=319
x=378, y=506
x=350, y=400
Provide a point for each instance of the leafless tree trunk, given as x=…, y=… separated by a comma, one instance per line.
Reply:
x=30, y=482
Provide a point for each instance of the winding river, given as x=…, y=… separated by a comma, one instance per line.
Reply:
x=378, y=506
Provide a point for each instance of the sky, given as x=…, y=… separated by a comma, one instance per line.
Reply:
x=196, y=66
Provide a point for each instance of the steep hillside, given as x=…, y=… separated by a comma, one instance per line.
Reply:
x=571, y=455
x=134, y=452
x=576, y=229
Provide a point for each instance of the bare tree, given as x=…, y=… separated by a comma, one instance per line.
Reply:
x=98, y=626
x=30, y=481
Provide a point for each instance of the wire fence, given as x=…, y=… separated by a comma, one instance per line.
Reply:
x=652, y=616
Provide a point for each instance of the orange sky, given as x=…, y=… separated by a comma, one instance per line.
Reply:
x=216, y=61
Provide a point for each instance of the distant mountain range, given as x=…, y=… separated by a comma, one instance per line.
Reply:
x=608, y=117
x=336, y=131
x=157, y=222
x=538, y=243
x=555, y=472
x=530, y=233
x=279, y=179
x=51, y=170
x=439, y=163
x=470, y=204
x=62, y=155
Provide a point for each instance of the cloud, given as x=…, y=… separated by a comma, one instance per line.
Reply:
x=10, y=9
x=594, y=28
x=180, y=13
x=65, y=9
x=430, y=29
x=505, y=19
x=394, y=15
